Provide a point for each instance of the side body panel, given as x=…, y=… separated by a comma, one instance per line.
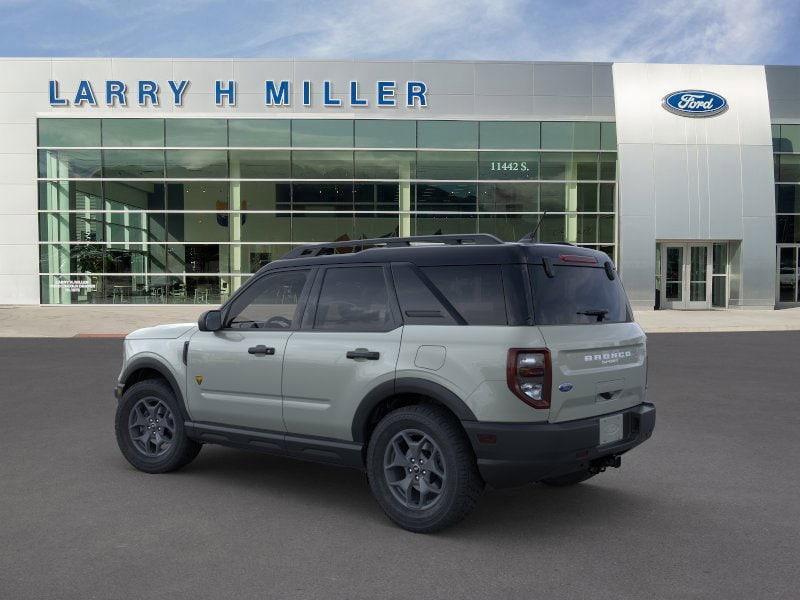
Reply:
x=322, y=388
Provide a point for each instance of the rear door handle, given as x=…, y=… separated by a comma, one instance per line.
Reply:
x=261, y=350
x=363, y=353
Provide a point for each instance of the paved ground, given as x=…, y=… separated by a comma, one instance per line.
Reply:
x=71, y=321
x=707, y=509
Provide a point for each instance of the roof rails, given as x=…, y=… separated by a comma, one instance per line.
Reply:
x=351, y=246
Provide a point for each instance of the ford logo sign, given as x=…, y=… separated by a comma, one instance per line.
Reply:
x=695, y=103
x=565, y=387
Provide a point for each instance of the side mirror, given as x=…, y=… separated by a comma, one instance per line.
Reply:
x=211, y=320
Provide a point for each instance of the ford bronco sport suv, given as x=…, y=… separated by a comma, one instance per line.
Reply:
x=436, y=364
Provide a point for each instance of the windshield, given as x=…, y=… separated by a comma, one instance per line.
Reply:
x=577, y=296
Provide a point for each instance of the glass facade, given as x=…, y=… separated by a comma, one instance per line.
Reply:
x=786, y=148
x=184, y=210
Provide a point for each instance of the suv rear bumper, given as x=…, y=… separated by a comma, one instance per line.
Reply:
x=527, y=452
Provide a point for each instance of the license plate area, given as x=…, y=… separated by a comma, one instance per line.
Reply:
x=611, y=429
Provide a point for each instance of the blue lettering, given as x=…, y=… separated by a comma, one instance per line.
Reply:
x=279, y=96
x=55, y=100
x=416, y=90
x=386, y=93
x=327, y=98
x=85, y=93
x=115, y=90
x=228, y=92
x=306, y=93
x=178, y=88
x=148, y=89
x=354, y=99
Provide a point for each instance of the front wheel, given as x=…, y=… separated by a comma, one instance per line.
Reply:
x=150, y=431
x=422, y=470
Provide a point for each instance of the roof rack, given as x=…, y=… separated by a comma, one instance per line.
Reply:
x=351, y=246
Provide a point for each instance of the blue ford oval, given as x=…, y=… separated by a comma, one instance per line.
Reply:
x=695, y=103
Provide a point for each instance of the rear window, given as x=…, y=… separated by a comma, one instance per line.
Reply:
x=577, y=296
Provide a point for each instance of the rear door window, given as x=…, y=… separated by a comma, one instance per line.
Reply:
x=577, y=296
x=354, y=299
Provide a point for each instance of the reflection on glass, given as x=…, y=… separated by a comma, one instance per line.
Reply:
x=197, y=164
x=65, y=133
x=198, y=195
x=446, y=197
x=133, y=132
x=199, y=133
x=322, y=164
x=260, y=164
x=68, y=164
x=132, y=164
x=447, y=134
x=509, y=134
x=259, y=133
x=444, y=224
x=322, y=196
x=509, y=165
x=510, y=228
x=322, y=133
x=383, y=133
x=385, y=165
x=508, y=197
x=447, y=165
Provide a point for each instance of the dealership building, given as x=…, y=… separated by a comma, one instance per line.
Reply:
x=164, y=181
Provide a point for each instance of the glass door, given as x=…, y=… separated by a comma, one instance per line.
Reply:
x=686, y=271
x=699, y=276
x=672, y=264
x=788, y=275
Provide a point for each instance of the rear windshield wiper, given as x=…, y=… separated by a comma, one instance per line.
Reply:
x=600, y=313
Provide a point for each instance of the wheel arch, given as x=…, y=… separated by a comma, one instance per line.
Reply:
x=147, y=367
x=404, y=391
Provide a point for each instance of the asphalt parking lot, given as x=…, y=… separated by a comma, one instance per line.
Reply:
x=708, y=508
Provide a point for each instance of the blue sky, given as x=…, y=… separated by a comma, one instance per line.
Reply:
x=711, y=31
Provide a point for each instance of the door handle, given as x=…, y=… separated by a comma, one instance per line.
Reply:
x=261, y=350
x=363, y=353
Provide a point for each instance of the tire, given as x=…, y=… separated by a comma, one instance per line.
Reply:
x=404, y=440
x=568, y=479
x=162, y=445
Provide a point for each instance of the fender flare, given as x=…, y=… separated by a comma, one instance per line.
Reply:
x=407, y=385
x=147, y=362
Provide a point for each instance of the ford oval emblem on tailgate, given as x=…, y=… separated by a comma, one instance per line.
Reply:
x=565, y=387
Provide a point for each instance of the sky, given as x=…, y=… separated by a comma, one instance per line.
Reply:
x=679, y=31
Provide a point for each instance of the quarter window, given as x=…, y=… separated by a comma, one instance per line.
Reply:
x=270, y=303
x=353, y=299
x=476, y=292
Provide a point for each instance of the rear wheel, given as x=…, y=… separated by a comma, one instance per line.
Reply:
x=568, y=479
x=150, y=431
x=422, y=470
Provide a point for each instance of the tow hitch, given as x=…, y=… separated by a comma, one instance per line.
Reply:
x=601, y=464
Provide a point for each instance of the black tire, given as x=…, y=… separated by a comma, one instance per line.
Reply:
x=568, y=479
x=460, y=485
x=175, y=449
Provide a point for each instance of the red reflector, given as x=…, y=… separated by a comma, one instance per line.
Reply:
x=487, y=438
x=577, y=258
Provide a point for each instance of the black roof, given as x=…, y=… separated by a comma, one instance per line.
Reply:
x=474, y=249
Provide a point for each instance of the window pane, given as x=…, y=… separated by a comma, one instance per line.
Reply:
x=447, y=134
x=509, y=134
x=376, y=225
x=265, y=227
x=587, y=229
x=585, y=166
x=269, y=303
x=553, y=197
x=444, y=224
x=255, y=256
x=65, y=227
x=197, y=163
x=509, y=165
x=322, y=133
x=789, y=170
x=417, y=303
x=262, y=195
x=587, y=197
x=447, y=165
x=508, y=197
x=70, y=195
x=556, y=165
x=147, y=164
x=587, y=136
x=198, y=195
x=790, y=138
x=381, y=196
x=260, y=164
x=787, y=198
x=321, y=164
x=557, y=135
x=379, y=133
x=446, y=197
x=322, y=227
x=606, y=197
x=322, y=196
x=265, y=133
x=510, y=228
x=69, y=132
x=134, y=195
x=63, y=164
x=608, y=136
x=198, y=227
x=353, y=299
x=605, y=232
x=133, y=132
x=385, y=165
x=553, y=228
x=198, y=258
x=197, y=132
x=476, y=292
x=788, y=229
x=608, y=166
x=720, y=262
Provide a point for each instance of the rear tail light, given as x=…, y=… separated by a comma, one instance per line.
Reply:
x=528, y=375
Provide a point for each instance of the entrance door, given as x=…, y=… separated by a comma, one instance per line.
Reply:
x=686, y=273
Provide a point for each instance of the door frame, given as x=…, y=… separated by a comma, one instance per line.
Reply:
x=778, y=274
x=686, y=271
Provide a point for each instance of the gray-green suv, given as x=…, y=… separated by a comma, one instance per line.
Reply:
x=435, y=364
